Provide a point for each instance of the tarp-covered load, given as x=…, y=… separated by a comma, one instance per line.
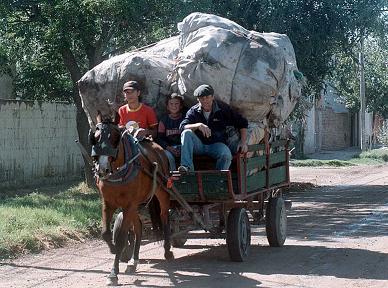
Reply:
x=253, y=72
x=101, y=87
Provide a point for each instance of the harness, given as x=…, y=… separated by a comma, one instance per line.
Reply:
x=130, y=169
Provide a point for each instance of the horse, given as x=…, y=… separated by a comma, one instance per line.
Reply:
x=128, y=173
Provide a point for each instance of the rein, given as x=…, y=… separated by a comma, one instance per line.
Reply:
x=119, y=170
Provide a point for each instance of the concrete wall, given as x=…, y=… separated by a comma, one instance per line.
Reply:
x=37, y=143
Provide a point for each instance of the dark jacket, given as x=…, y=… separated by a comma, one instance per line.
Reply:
x=222, y=115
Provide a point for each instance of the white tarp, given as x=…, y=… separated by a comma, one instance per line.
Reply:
x=103, y=84
x=254, y=72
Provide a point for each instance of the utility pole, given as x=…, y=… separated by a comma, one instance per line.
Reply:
x=362, y=96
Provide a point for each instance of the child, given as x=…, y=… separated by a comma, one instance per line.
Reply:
x=168, y=131
x=136, y=111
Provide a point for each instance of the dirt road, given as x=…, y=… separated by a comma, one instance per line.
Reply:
x=337, y=237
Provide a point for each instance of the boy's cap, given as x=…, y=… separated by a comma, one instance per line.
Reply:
x=203, y=90
x=131, y=85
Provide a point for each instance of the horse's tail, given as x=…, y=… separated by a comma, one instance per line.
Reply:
x=154, y=210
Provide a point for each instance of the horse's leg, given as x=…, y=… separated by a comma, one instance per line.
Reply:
x=138, y=231
x=107, y=214
x=164, y=202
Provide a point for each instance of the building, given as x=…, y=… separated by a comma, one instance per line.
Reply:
x=331, y=126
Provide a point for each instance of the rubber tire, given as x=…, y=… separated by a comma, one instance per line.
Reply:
x=129, y=247
x=238, y=234
x=176, y=242
x=276, y=222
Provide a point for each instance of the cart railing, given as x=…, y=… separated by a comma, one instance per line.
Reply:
x=265, y=167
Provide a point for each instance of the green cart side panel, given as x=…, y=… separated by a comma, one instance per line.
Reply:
x=256, y=147
x=255, y=162
x=255, y=181
x=277, y=157
x=277, y=175
x=187, y=186
x=214, y=185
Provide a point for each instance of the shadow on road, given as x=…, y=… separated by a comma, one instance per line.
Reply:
x=339, y=211
x=347, y=263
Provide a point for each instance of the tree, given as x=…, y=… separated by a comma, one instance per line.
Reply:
x=345, y=77
x=55, y=42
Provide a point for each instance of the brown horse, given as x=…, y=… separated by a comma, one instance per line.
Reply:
x=127, y=176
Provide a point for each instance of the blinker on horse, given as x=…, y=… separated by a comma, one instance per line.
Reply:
x=127, y=175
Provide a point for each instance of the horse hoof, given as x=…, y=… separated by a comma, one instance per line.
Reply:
x=168, y=255
x=131, y=269
x=112, y=281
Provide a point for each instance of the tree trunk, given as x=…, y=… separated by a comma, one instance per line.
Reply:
x=83, y=129
x=81, y=119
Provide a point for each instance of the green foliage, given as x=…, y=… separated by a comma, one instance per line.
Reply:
x=47, y=218
x=346, y=77
x=378, y=154
x=320, y=163
x=372, y=157
x=382, y=134
x=55, y=42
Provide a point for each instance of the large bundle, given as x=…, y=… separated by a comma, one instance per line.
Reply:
x=254, y=72
x=101, y=87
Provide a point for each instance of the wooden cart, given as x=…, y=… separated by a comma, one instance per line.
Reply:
x=226, y=203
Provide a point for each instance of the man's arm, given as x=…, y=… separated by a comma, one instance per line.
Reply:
x=201, y=127
x=243, y=146
x=190, y=122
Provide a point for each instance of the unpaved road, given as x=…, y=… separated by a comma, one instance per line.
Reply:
x=337, y=237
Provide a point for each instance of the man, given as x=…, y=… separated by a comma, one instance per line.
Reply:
x=136, y=111
x=204, y=130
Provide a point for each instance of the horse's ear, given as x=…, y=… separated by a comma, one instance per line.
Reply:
x=99, y=117
x=116, y=118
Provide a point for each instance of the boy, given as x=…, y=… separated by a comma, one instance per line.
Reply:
x=168, y=130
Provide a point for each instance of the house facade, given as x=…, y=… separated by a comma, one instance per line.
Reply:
x=331, y=126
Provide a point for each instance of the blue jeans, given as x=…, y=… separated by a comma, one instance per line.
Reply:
x=171, y=159
x=191, y=144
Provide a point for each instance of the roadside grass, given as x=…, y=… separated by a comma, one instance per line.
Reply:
x=31, y=221
x=372, y=157
x=318, y=163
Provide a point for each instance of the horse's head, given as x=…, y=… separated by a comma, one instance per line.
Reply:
x=105, y=142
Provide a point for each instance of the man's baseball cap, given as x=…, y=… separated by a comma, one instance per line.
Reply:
x=203, y=90
x=131, y=85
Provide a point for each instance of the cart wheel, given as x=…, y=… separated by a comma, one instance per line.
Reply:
x=127, y=253
x=276, y=222
x=238, y=234
x=180, y=240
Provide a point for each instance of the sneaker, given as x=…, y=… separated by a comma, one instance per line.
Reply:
x=183, y=169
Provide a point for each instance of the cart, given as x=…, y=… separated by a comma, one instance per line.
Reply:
x=225, y=203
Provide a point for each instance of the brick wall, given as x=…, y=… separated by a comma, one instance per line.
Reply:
x=336, y=130
x=37, y=143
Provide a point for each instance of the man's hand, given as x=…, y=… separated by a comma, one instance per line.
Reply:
x=205, y=130
x=242, y=147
